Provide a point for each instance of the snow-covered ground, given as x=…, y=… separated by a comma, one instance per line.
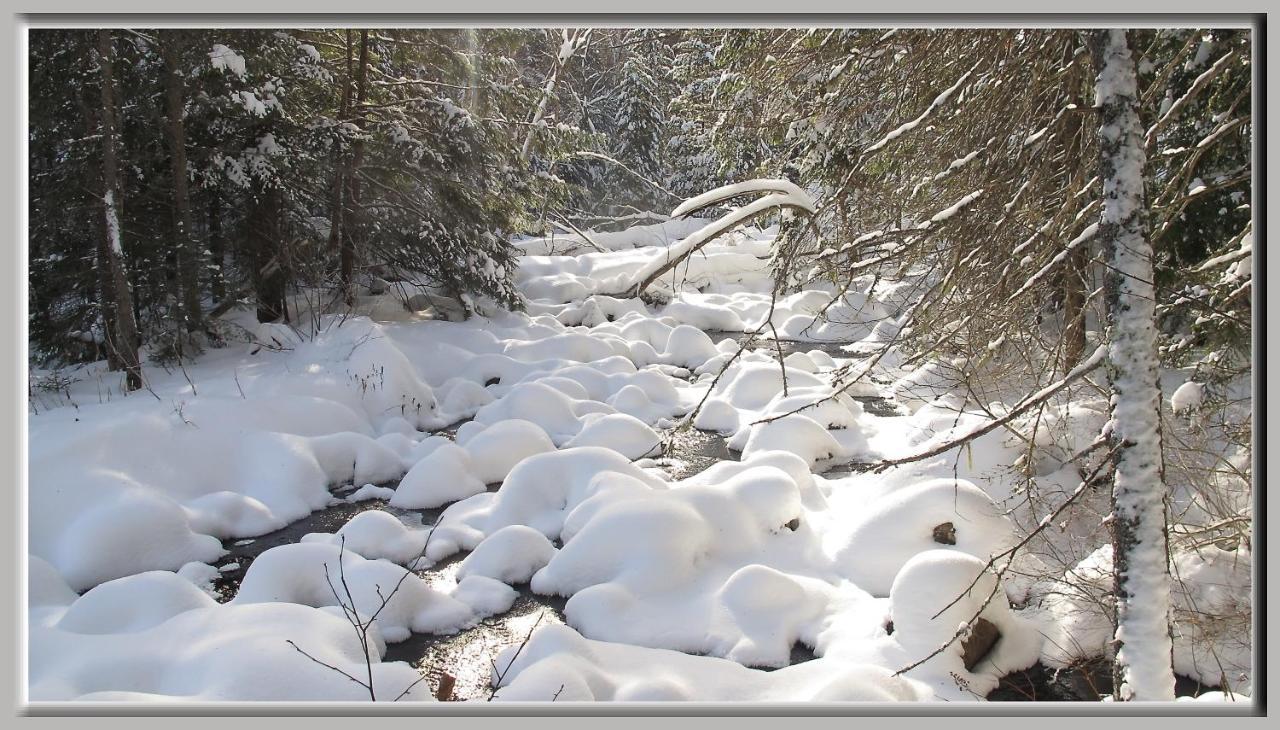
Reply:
x=552, y=473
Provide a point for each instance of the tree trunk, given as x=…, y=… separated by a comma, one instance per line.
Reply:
x=336, y=233
x=350, y=212
x=1075, y=278
x=217, y=249
x=188, y=256
x=270, y=271
x=111, y=267
x=1143, y=668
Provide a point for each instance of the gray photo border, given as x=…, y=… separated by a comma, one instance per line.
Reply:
x=709, y=13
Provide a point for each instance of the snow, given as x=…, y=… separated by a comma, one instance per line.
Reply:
x=559, y=660
x=925, y=617
x=375, y=534
x=495, y=450
x=537, y=434
x=900, y=525
x=297, y=574
x=1187, y=397
x=445, y=475
x=512, y=555
x=225, y=59
x=620, y=432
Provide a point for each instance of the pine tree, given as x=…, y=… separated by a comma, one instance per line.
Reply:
x=639, y=124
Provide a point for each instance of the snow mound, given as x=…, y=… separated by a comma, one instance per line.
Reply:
x=1187, y=397
x=558, y=662
x=915, y=519
x=375, y=534
x=717, y=415
x=132, y=604
x=620, y=432
x=955, y=586
x=539, y=492
x=297, y=574
x=796, y=434
x=511, y=555
x=219, y=653
x=445, y=475
x=498, y=448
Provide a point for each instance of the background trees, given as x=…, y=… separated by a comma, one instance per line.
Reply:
x=262, y=165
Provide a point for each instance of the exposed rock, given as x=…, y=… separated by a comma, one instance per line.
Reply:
x=983, y=636
x=945, y=534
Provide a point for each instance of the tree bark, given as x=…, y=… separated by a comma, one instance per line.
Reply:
x=351, y=211
x=1143, y=667
x=266, y=239
x=124, y=341
x=1075, y=277
x=217, y=249
x=188, y=255
x=336, y=232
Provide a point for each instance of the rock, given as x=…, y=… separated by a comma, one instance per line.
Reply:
x=945, y=534
x=983, y=636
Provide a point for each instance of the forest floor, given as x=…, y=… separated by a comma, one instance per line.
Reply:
x=219, y=535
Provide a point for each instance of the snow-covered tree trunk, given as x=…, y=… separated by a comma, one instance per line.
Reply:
x=122, y=339
x=1143, y=667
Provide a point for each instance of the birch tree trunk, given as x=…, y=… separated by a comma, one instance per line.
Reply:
x=1143, y=668
x=188, y=253
x=122, y=338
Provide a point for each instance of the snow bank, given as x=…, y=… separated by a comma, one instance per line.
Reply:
x=561, y=663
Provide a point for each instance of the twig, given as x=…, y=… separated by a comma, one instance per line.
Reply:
x=503, y=673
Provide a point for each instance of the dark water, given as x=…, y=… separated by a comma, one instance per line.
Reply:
x=1086, y=681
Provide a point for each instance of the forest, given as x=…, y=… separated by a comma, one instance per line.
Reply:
x=640, y=364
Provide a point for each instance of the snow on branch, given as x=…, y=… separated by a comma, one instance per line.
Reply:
x=782, y=194
x=903, y=129
x=1196, y=87
x=1085, y=235
x=797, y=196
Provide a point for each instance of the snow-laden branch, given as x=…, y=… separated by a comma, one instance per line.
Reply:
x=907, y=127
x=1245, y=249
x=1075, y=243
x=711, y=197
x=1196, y=87
x=786, y=195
